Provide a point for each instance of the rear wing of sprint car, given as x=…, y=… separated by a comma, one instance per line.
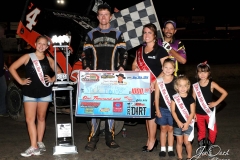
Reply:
x=28, y=30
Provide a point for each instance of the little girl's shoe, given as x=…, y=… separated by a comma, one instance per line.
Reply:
x=162, y=154
x=171, y=153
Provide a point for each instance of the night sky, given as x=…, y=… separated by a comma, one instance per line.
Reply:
x=11, y=10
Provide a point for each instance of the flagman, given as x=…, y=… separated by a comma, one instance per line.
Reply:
x=174, y=47
x=104, y=49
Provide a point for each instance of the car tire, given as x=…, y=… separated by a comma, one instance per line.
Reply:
x=14, y=102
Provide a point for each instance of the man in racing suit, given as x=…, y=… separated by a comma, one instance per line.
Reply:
x=104, y=49
x=174, y=47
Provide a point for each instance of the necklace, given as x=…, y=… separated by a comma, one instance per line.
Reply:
x=148, y=50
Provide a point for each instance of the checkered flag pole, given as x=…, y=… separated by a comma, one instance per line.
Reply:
x=130, y=22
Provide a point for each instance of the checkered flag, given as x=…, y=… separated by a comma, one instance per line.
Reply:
x=130, y=22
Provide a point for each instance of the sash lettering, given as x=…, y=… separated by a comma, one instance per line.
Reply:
x=184, y=112
x=204, y=106
x=142, y=64
x=38, y=69
x=164, y=92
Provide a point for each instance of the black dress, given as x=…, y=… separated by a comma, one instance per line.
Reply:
x=152, y=59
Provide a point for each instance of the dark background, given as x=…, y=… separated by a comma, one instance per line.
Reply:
x=202, y=42
x=217, y=10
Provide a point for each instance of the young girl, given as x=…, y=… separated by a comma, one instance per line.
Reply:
x=205, y=106
x=37, y=92
x=164, y=89
x=183, y=111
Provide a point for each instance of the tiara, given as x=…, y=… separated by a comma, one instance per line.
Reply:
x=181, y=75
x=203, y=64
x=172, y=58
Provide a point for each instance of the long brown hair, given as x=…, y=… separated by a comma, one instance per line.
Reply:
x=153, y=28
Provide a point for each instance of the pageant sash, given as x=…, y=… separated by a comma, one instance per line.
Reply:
x=38, y=69
x=184, y=112
x=164, y=92
x=204, y=106
x=142, y=64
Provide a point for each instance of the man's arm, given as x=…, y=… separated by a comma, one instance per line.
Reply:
x=180, y=54
x=87, y=53
x=123, y=54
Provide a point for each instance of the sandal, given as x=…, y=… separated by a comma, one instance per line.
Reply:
x=179, y=159
x=188, y=158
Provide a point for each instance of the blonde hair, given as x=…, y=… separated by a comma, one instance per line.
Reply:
x=184, y=78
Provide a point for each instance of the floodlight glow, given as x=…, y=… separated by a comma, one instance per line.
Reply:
x=61, y=1
x=61, y=39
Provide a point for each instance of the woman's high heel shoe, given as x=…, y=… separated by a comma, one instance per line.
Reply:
x=154, y=146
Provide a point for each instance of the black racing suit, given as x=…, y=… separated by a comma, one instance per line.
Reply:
x=104, y=49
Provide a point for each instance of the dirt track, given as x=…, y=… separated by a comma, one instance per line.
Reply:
x=14, y=137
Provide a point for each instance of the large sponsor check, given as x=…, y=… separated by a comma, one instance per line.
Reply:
x=113, y=94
